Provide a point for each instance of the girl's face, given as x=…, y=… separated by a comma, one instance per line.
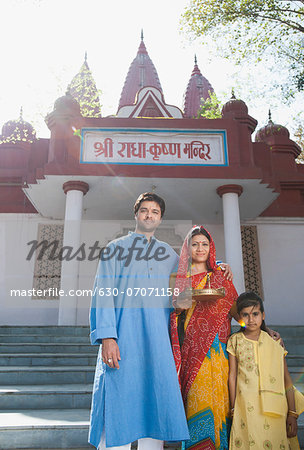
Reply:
x=200, y=248
x=253, y=317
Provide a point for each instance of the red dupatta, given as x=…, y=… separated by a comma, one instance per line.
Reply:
x=208, y=318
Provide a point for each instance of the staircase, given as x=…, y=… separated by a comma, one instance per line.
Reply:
x=294, y=342
x=46, y=376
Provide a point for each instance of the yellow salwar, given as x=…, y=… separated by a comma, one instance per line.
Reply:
x=252, y=428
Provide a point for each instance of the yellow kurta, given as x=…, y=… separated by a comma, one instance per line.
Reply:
x=251, y=428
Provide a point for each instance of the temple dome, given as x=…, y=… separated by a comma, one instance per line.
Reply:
x=19, y=130
x=142, y=73
x=67, y=103
x=234, y=106
x=271, y=129
x=197, y=90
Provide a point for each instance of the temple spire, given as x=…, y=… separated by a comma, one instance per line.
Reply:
x=269, y=116
x=142, y=73
x=142, y=35
x=197, y=91
x=86, y=56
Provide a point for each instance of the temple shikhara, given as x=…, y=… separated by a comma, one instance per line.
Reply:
x=66, y=196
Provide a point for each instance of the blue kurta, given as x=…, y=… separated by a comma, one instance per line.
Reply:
x=142, y=398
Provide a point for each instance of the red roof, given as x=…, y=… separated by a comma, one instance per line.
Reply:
x=198, y=88
x=141, y=73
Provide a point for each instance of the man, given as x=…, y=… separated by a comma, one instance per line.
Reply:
x=136, y=393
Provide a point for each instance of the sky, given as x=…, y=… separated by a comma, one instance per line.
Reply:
x=44, y=43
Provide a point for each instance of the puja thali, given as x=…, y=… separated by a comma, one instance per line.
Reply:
x=208, y=294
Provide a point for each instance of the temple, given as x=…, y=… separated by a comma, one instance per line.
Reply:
x=63, y=197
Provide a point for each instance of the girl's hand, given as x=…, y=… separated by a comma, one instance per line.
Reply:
x=291, y=426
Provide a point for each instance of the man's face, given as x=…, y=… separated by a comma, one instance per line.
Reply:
x=148, y=217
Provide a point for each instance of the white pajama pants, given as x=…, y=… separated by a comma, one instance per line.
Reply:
x=143, y=444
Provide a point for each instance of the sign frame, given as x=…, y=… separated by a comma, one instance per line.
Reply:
x=180, y=131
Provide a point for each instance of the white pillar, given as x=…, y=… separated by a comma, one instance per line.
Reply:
x=74, y=190
x=232, y=230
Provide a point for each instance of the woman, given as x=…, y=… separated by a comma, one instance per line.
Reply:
x=199, y=336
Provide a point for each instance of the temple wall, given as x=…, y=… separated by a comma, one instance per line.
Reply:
x=281, y=259
x=281, y=248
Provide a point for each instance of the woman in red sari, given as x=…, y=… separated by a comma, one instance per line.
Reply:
x=199, y=336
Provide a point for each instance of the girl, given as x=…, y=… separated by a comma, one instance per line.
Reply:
x=261, y=393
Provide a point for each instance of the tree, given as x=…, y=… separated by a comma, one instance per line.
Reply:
x=252, y=29
x=84, y=90
x=211, y=107
x=299, y=134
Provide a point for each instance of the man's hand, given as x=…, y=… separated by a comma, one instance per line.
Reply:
x=184, y=300
x=227, y=271
x=110, y=353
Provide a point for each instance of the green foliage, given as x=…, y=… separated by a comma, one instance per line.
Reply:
x=210, y=108
x=299, y=134
x=83, y=89
x=252, y=29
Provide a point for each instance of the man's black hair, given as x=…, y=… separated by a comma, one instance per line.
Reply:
x=150, y=197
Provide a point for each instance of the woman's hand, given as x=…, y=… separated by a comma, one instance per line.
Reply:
x=275, y=335
x=226, y=271
x=291, y=426
x=184, y=300
x=110, y=353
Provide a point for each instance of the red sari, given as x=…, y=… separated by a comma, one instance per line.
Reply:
x=207, y=329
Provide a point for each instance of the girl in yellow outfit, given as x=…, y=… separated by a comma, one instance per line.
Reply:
x=264, y=403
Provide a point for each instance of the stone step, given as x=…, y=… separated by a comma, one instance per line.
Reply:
x=63, y=428
x=47, y=348
x=63, y=396
x=295, y=360
x=171, y=446
x=295, y=348
x=301, y=430
x=20, y=375
x=46, y=330
x=296, y=374
x=47, y=359
x=289, y=331
x=60, y=428
x=41, y=338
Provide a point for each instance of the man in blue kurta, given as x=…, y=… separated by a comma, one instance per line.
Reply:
x=136, y=394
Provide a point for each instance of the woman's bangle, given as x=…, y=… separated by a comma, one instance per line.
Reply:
x=289, y=389
x=293, y=413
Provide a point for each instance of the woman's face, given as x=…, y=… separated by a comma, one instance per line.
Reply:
x=200, y=248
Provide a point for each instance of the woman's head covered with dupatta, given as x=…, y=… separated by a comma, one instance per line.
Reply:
x=185, y=262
